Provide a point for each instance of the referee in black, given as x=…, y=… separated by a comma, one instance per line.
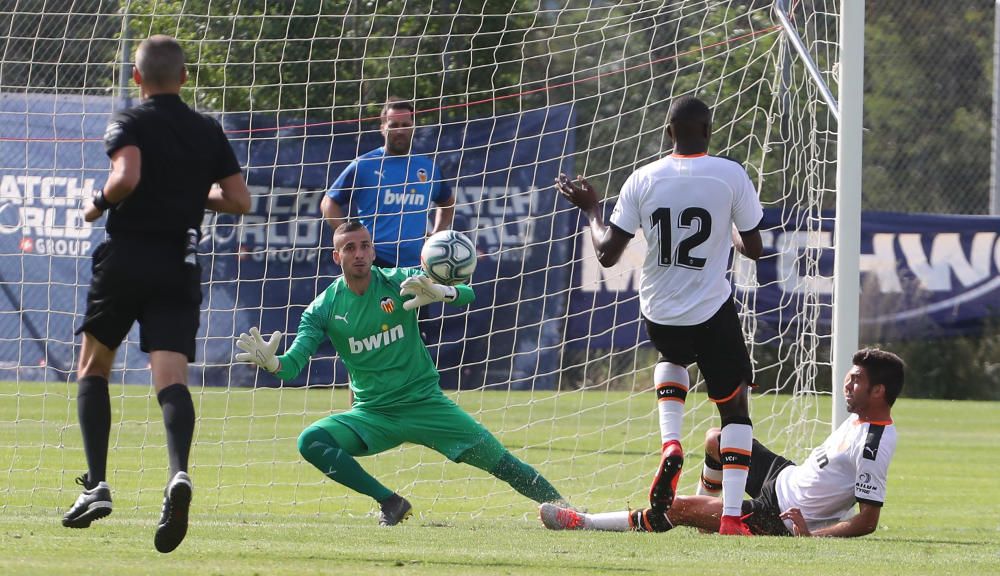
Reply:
x=165, y=159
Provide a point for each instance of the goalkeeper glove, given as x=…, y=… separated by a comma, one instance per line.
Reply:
x=424, y=291
x=259, y=351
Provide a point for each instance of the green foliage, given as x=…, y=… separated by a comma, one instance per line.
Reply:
x=319, y=60
x=67, y=46
x=954, y=369
x=928, y=106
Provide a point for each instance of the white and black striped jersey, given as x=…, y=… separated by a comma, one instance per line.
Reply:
x=850, y=466
x=686, y=206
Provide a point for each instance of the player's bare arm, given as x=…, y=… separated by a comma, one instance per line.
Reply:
x=863, y=523
x=444, y=215
x=609, y=242
x=126, y=164
x=749, y=243
x=332, y=212
x=230, y=196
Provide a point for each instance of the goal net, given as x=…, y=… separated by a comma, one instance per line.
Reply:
x=551, y=357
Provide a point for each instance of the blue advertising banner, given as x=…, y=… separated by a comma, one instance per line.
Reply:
x=539, y=287
x=923, y=276
x=265, y=269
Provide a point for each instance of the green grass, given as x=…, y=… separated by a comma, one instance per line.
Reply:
x=260, y=510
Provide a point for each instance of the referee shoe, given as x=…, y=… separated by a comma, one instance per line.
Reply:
x=173, y=524
x=93, y=504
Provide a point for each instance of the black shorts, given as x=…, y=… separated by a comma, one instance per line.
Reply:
x=148, y=281
x=716, y=345
x=763, y=505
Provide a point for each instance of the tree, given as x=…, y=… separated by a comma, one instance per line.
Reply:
x=59, y=45
x=928, y=107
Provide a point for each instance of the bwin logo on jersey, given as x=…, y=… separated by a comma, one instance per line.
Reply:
x=377, y=340
x=404, y=198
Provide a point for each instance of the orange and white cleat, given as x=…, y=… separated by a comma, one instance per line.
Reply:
x=734, y=526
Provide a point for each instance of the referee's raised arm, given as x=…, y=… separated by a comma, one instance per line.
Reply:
x=168, y=165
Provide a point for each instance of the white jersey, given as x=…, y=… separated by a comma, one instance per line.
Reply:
x=687, y=206
x=851, y=466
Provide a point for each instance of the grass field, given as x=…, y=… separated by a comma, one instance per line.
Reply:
x=259, y=510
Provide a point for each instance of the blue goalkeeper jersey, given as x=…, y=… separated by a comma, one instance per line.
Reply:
x=392, y=196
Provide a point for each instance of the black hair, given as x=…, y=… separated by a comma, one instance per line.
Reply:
x=883, y=368
x=688, y=118
x=350, y=225
x=394, y=103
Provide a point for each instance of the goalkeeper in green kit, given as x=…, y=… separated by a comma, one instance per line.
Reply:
x=370, y=316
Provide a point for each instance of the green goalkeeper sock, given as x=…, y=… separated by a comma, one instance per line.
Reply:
x=525, y=479
x=319, y=448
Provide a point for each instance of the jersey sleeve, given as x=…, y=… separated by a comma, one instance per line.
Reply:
x=441, y=188
x=626, y=216
x=312, y=330
x=120, y=132
x=747, y=212
x=226, y=163
x=342, y=187
x=873, y=465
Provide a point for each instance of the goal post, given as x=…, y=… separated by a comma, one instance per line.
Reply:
x=847, y=292
x=551, y=357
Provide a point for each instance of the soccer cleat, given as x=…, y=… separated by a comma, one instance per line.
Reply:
x=558, y=518
x=664, y=488
x=93, y=504
x=394, y=510
x=173, y=524
x=733, y=526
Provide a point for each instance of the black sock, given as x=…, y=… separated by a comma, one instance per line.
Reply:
x=93, y=408
x=178, y=419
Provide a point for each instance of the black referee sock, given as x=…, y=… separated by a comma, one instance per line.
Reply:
x=178, y=419
x=93, y=408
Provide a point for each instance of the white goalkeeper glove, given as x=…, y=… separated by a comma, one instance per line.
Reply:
x=259, y=351
x=424, y=291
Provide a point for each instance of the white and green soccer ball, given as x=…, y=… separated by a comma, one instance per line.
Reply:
x=449, y=258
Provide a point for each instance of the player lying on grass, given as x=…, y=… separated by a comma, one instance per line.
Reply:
x=370, y=316
x=812, y=499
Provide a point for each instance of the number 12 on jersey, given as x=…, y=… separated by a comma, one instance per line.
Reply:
x=661, y=222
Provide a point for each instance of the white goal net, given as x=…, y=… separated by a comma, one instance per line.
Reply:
x=551, y=357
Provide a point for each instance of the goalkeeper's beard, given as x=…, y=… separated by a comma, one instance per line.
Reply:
x=358, y=270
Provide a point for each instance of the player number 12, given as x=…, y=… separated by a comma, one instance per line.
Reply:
x=660, y=220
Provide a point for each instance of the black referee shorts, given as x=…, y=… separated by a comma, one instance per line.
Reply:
x=145, y=280
x=763, y=505
x=716, y=345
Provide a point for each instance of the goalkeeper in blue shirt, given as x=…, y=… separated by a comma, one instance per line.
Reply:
x=391, y=191
x=370, y=316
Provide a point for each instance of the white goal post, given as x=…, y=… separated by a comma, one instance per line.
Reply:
x=552, y=356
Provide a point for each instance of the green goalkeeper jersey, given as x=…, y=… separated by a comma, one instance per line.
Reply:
x=377, y=339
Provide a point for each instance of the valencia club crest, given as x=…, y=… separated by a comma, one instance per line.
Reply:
x=387, y=305
x=422, y=175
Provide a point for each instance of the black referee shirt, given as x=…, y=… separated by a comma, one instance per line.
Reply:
x=183, y=154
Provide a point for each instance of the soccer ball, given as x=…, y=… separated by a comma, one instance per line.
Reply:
x=449, y=258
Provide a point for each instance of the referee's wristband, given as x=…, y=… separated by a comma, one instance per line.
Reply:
x=101, y=201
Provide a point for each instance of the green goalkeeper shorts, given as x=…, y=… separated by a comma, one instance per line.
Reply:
x=436, y=422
